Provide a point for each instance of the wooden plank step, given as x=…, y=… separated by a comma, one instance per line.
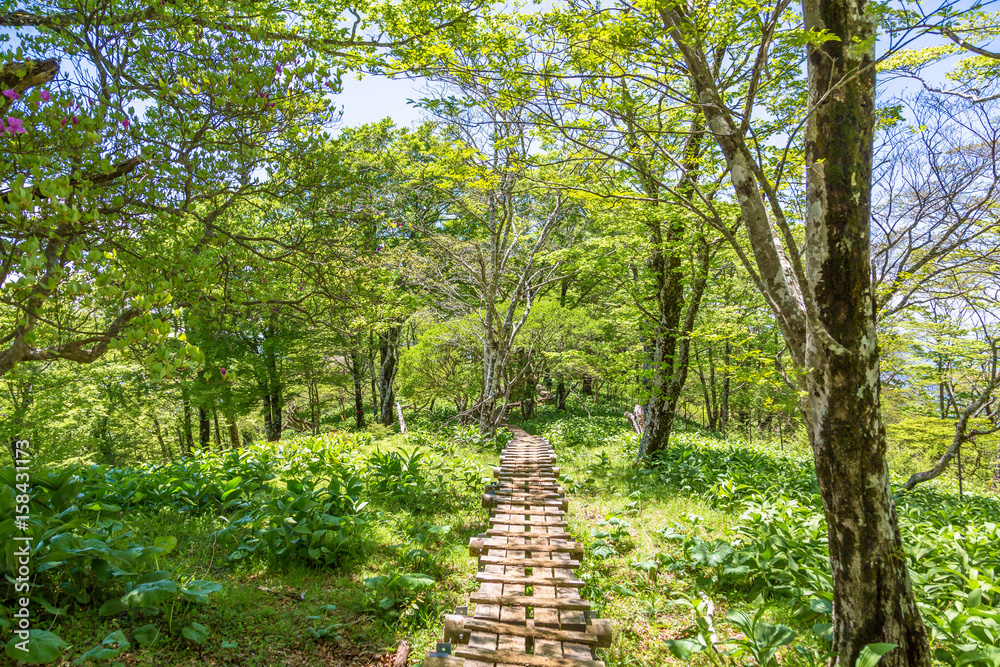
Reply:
x=565, y=547
x=540, y=503
x=528, y=562
x=577, y=604
x=522, y=522
x=483, y=625
x=493, y=532
x=560, y=582
x=526, y=512
x=515, y=658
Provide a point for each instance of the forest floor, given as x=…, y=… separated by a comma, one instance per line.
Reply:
x=718, y=527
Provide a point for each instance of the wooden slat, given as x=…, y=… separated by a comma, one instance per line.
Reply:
x=493, y=532
x=529, y=601
x=530, y=631
x=562, y=582
x=522, y=522
x=528, y=512
x=566, y=547
x=528, y=562
x=515, y=658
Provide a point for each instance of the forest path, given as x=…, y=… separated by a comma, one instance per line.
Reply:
x=528, y=607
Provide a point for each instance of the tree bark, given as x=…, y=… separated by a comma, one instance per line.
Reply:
x=204, y=430
x=724, y=410
x=164, y=450
x=234, y=431
x=389, y=351
x=188, y=431
x=218, y=433
x=359, y=396
x=272, y=392
x=873, y=598
x=826, y=310
x=561, y=395
x=995, y=485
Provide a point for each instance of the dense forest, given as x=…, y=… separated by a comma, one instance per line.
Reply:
x=736, y=262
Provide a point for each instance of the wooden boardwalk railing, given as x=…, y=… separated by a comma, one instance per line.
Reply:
x=528, y=607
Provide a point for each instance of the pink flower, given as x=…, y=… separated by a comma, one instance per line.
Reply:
x=64, y=121
x=75, y=119
x=277, y=67
x=223, y=371
x=45, y=95
x=14, y=125
x=126, y=123
x=11, y=94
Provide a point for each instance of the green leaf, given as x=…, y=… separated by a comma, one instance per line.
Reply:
x=683, y=648
x=196, y=632
x=167, y=543
x=872, y=653
x=42, y=647
x=773, y=636
x=198, y=590
x=145, y=635
x=112, y=607
x=111, y=647
x=150, y=594
x=711, y=554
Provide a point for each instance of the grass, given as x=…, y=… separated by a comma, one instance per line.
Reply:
x=282, y=612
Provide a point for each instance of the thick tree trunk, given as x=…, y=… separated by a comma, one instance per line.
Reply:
x=389, y=351
x=234, y=431
x=489, y=407
x=204, y=430
x=359, y=396
x=825, y=308
x=873, y=599
x=671, y=345
x=561, y=395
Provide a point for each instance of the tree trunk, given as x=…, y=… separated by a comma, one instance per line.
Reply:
x=670, y=344
x=995, y=485
x=724, y=409
x=389, y=351
x=561, y=395
x=873, y=599
x=399, y=416
x=204, y=429
x=314, y=405
x=234, y=432
x=359, y=397
x=272, y=393
x=218, y=433
x=188, y=430
x=164, y=450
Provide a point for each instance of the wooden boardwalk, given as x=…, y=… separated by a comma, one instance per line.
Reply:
x=528, y=608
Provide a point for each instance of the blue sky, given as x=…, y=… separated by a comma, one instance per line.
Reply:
x=376, y=97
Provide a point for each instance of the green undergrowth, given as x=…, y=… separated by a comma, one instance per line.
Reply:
x=331, y=549
x=304, y=552
x=717, y=553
